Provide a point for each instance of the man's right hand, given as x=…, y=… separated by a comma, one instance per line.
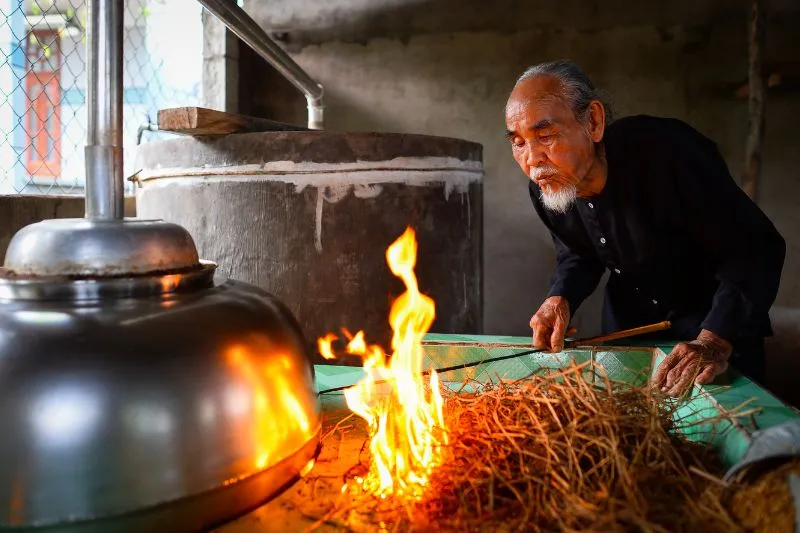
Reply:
x=550, y=323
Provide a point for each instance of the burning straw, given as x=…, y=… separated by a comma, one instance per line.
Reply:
x=566, y=450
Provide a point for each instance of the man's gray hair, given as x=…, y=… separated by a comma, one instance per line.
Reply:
x=578, y=88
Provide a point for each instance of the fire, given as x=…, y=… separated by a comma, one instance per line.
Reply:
x=279, y=422
x=405, y=422
x=324, y=345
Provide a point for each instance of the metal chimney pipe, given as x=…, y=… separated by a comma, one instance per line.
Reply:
x=104, y=177
x=243, y=26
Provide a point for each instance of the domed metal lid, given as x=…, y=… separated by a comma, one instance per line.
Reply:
x=100, y=248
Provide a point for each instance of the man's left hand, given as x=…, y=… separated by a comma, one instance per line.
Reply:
x=698, y=361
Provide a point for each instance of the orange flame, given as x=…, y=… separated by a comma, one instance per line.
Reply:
x=324, y=346
x=280, y=422
x=357, y=345
x=406, y=424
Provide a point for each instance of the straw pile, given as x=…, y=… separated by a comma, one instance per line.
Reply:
x=765, y=503
x=568, y=450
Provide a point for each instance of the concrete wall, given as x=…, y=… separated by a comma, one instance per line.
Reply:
x=446, y=68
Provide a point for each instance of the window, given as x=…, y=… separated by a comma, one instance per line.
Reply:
x=43, y=90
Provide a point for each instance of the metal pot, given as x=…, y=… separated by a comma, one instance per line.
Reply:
x=138, y=393
x=156, y=402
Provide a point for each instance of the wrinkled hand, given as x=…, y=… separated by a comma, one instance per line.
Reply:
x=550, y=323
x=698, y=361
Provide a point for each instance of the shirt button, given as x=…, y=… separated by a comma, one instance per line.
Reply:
x=591, y=205
x=616, y=270
x=602, y=240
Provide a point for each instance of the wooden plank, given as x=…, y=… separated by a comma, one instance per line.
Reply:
x=198, y=121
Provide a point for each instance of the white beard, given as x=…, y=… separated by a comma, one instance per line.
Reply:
x=560, y=200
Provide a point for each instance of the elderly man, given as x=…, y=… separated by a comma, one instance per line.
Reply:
x=651, y=200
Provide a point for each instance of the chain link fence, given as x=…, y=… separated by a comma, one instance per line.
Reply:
x=43, y=85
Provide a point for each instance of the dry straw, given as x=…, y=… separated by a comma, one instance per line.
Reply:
x=564, y=450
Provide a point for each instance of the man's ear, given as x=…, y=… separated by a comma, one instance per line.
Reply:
x=597, y=120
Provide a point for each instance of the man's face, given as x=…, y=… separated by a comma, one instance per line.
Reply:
x=549, y=144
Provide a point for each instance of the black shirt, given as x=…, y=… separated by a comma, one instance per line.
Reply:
x=682, y=241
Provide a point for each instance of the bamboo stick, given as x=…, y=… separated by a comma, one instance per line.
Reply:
x=622, y=334
x=625, y=333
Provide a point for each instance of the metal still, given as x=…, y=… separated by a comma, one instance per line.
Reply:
x=139, y=391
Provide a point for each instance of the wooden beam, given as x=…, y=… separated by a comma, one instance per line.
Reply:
x=780, y=78
x=756, y=101
x=773, y=80
x=199, y=121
